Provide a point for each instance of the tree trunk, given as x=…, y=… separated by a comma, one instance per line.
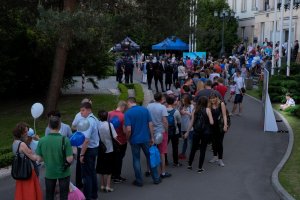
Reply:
x=59, y=63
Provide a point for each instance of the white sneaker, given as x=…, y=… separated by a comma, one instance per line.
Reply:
x=221, y=163
x=213, y=160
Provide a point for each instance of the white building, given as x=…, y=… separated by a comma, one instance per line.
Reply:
x=256, y=20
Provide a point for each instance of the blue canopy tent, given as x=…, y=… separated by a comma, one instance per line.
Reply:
x=171, y=43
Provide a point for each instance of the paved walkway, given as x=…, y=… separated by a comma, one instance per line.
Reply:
x=250, y=156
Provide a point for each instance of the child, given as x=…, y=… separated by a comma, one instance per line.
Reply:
x=289, y=102
x=75, y=193
x=232, y=89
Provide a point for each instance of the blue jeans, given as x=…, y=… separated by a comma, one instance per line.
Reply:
x=88, y=172
x=186, y=141
x=136, y=149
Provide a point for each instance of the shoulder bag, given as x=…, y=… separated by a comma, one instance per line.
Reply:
x=102, y=148
x=116, y=146
x=21, y=168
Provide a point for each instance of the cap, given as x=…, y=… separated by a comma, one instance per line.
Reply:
x=30, y=132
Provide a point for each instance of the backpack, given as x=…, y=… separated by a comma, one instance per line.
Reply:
x=171, y=118
x=199, y=122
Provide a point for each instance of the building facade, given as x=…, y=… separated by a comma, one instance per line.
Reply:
x=256, y=21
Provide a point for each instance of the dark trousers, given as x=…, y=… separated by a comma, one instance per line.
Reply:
x=119, y=76
x=89, y=176
x=118, y=161
x=129, y=77
x=174, y=138
x=217, y=142
x=64, y=184
x=203, y=139
x=149, y=79
x=160, y=79
x=78, y=170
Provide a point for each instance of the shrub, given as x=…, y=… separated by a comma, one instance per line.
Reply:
x=295, y=110
x=5, y=150
x=123, y=92
x=280, y=85
x=138, y=90
x=6, y=159
x=139, y=93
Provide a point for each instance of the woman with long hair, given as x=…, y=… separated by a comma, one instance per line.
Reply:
x=186, y=110
x=201, y=115
x=218, y=110
x=28, y=189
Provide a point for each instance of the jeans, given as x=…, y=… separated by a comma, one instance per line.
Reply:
x=136, y=149
x=118, y=161
x=217, y=142
x=64, y=184
x=186, y=141
x=203, y=139
x=88, y=172
x=174, y=140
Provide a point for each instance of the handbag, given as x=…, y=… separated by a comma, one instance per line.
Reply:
x=221, y=121
x=116, y=145
x=21, y=168
x=102, y=148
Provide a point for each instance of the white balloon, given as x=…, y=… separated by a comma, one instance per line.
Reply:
x=83, y=125
x=37, y=110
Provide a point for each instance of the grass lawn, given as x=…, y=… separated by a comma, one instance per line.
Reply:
x=289, y=176
x=13, y=112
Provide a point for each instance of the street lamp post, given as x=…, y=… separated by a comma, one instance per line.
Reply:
x=224, y=14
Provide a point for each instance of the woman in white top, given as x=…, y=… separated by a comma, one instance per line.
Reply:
x=105, y=160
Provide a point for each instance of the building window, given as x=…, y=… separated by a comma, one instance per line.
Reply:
x=243, y=33
x=244, y=6
x=252, y=34
x=266, y=5
x=253, y=4
x=262, y=31
x=234, y=5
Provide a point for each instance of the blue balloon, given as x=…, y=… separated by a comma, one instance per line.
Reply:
x=115, y=121
x=77, y=139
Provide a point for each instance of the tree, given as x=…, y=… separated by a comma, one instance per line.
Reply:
x=209, y=27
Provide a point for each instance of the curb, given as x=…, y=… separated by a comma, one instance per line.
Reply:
x=275, y=180
x=284, y=195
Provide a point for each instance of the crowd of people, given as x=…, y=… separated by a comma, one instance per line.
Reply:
x=189, y=107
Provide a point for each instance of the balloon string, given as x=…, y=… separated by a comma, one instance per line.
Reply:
x=34, y=126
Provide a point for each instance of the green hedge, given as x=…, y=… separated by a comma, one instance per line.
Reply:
x=6, y=159
x=295, y=110
x=123, y=92
x=4, y=150
x=139, y=93
x=280, y=85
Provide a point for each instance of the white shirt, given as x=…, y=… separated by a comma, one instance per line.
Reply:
x=77, y=118
x=290, y=102
x=213, y=75
x=65, y=130
x=239, y=84
x=105, y=135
